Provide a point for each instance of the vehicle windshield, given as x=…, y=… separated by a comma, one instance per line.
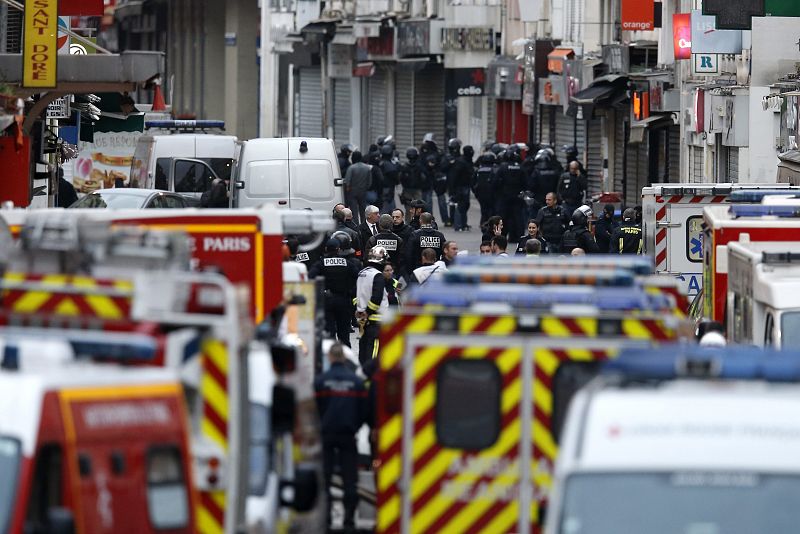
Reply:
x=111, y=199
x=680, y=503
x=9, y=467
x=790, y=330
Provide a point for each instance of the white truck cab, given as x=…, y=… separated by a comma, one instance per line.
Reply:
x=182, y=156
x=291, y=173
x=763, y=284
x=686, y=440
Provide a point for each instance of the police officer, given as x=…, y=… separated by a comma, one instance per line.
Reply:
x=459, y=181
x=578, y=235
x=391, y=175
x=340, y=279
x=412, y=179
x=344, y=158
x=627, y=239
x=552, y=221
x=372, y=302
x=572, y=187
x=425, y=237
x=510, y=182
x=343, y=407
x=387, y=239
x=484, y=185
x=341, y=226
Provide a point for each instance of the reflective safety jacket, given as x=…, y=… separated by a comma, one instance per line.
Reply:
x=371, y=296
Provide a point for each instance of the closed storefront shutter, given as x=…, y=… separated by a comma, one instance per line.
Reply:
x=491, y=119
x=696, y=167
x=309, y=104
x=732, y=165
x=377, y=105
x=619, y=149
x=342, y=116
x=404, y=111
x=637, y=173
x=566, y=128
x=675, y=154
x=429, y=104
x=543, y=125
x=594, y=152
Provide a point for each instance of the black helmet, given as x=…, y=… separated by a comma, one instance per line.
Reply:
x=489, y=158
x=333, y=245
x=346, y=243
x=497, y=148
x=412, y=154
x=431, y=160
x=387, y=151
x=468, y=151
x=580, y=217
x=380, y=140
x=454, y=145
x=570, y=150
x=346, y=148
x=428, y=138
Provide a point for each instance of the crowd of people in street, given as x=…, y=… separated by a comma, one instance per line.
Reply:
x=379, y=249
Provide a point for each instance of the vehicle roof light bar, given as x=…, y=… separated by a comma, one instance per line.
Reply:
x=773, y=258
x=479, y=275
x=640, y=265
x=761, y=210
x=757, y=195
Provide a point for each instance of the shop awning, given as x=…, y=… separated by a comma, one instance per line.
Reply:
x=364, y=70
x=344, y=36
x=638, y=128
x=602, y=93
x=556, y=58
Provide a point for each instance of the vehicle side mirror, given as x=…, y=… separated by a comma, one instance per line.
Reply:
x=301, y=493
x=283, y=409
x=60, y=521
x=238, y=184
x=338, y=182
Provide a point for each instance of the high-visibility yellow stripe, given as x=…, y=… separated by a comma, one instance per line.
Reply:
x=589, y=325
x=504, y=325
x=546, y=360
x=55, y=279
x=389, y=472
x=215, y=349
x=504, y=520
x=206, y=524
x=390, y=432
x=14, y=277
x=388, y=513
x=478, y=507
x=259, y=276
x=468, y=323
x=210, y=430
x=393, y=351
x=67, y=307
x=634, y=328
x=103, y=307
x=424, y=400
x=83, y=282
x=580, y=355
x=428, y=358
x=553, y=326
x=219, y=498
x=423, y=440
x=206, y=228
x=213, y=393
x=543, y=440
x=542, y=397
x=31, y=301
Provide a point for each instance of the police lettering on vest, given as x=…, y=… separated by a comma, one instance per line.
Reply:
x=334, y=262
x=429, y=241
x=388, y=244
x=301, y=257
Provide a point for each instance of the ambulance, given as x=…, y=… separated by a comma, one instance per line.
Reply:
x=672, y=217
x=90, y=448
x=763, y=284
x=682, y=439
x=743, y=223
x=475, y=376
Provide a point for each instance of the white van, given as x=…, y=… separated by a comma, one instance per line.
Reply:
x=682, y=440
x=291, y=173
x=183, y=157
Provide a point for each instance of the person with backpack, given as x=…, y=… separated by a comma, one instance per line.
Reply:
x=484, y=184
x=578, y=234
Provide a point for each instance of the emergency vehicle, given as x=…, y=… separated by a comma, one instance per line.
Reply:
x=763, y=284
x=473, y=386
x=682, y=439
x=672, y=217
x=725, y=224
x=90, y=448
x=70, y=277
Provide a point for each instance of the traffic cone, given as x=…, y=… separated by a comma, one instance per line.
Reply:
x=158, y=98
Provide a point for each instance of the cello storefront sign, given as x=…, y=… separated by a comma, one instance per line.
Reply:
x=40, y=50
x=682, y=35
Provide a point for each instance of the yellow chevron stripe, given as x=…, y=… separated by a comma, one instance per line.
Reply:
x=543, y=440
x=504, y=520
x=390, y=432
x=103, y=307
x=206, y=524
x=219, y=498
x=393, y=351
x=475, y=510
x=580, y=355
x=546, y=361
x=31, y=301
x=552, y=326
x=542, y=397
x=428, y=358
x=467, y=323
x=210, y=430
x=83, y=282
x=423, y=440
x=503, y=325
x=424, y=400
x=634, y=328
x=214, y=395
x=389, y=472
x=215, y=349
x=589, y=325
x=55, y=279
x=67, y=307
x=388, y=513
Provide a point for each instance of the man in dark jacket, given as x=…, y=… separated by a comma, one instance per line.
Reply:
x=459, y=180
x=509, y=204
x=572, y=187
x=578, y=235
x=342, y=404
x=627, y=239
x=66, y=192
x=357, y=181
x=425, y=237
x=399, y=225
x=393, y=243
x=604, y=228
x=344, y=158
x=341, y=225
x=369, y=227
x=484, y=185
x=552, y=221
x=391, y=177
x=412, y=179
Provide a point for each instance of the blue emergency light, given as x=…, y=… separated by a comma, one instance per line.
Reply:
x=640, y=265
x=755, y=196
x=761, y=210
x=693, y=361
x=185, y=124
x=537, y=275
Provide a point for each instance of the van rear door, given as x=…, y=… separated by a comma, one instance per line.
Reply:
x=315, y=180
x=262, y=174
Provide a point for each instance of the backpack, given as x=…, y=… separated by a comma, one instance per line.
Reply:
x=569, y=241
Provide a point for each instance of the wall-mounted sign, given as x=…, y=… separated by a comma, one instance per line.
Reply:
x=340, y=61
x=468, y=39
x=465, y=82
x=638, y=15
x=413, y=38
x=682, y=35
x=707, y=39
x=59, y=108
x=550, y=91
x=734, y=14
x=41, y=45
x=705, y=64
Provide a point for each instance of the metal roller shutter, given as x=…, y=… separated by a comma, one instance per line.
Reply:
x=309, y=105
x=377, y=105
x=594, y=151
x=675, y=154
x=637, y=173
x=404, y=111
x=566, y=128
x=429, y=104
x=619, y=149
x=543, y=124
x=342, y=116
x=491, y=119
x=696, y=167
x=732, y=165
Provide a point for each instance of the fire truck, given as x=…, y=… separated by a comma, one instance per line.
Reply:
x=744, y=223
x=476, y=372
x=672, y=217
x=71, y=277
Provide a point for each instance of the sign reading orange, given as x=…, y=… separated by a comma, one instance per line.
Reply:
x=40, y=49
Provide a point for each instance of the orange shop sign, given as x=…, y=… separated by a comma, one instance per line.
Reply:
x=40, y=50
x=638, y=15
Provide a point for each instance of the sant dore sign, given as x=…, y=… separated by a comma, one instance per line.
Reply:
x=41, y=48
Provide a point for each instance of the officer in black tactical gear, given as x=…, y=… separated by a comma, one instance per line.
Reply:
x=552, y=220
x=578, y=234
x=425, y=237
x=340, y=280
x=627, y=239
x=391, y=176
x=572, y=187
x=344, y=158
x=543, y=178
x=412, y=178
x=485, y=185
x=390, y=241
x=511, y=182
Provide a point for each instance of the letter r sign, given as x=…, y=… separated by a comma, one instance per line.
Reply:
x=706, y=63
